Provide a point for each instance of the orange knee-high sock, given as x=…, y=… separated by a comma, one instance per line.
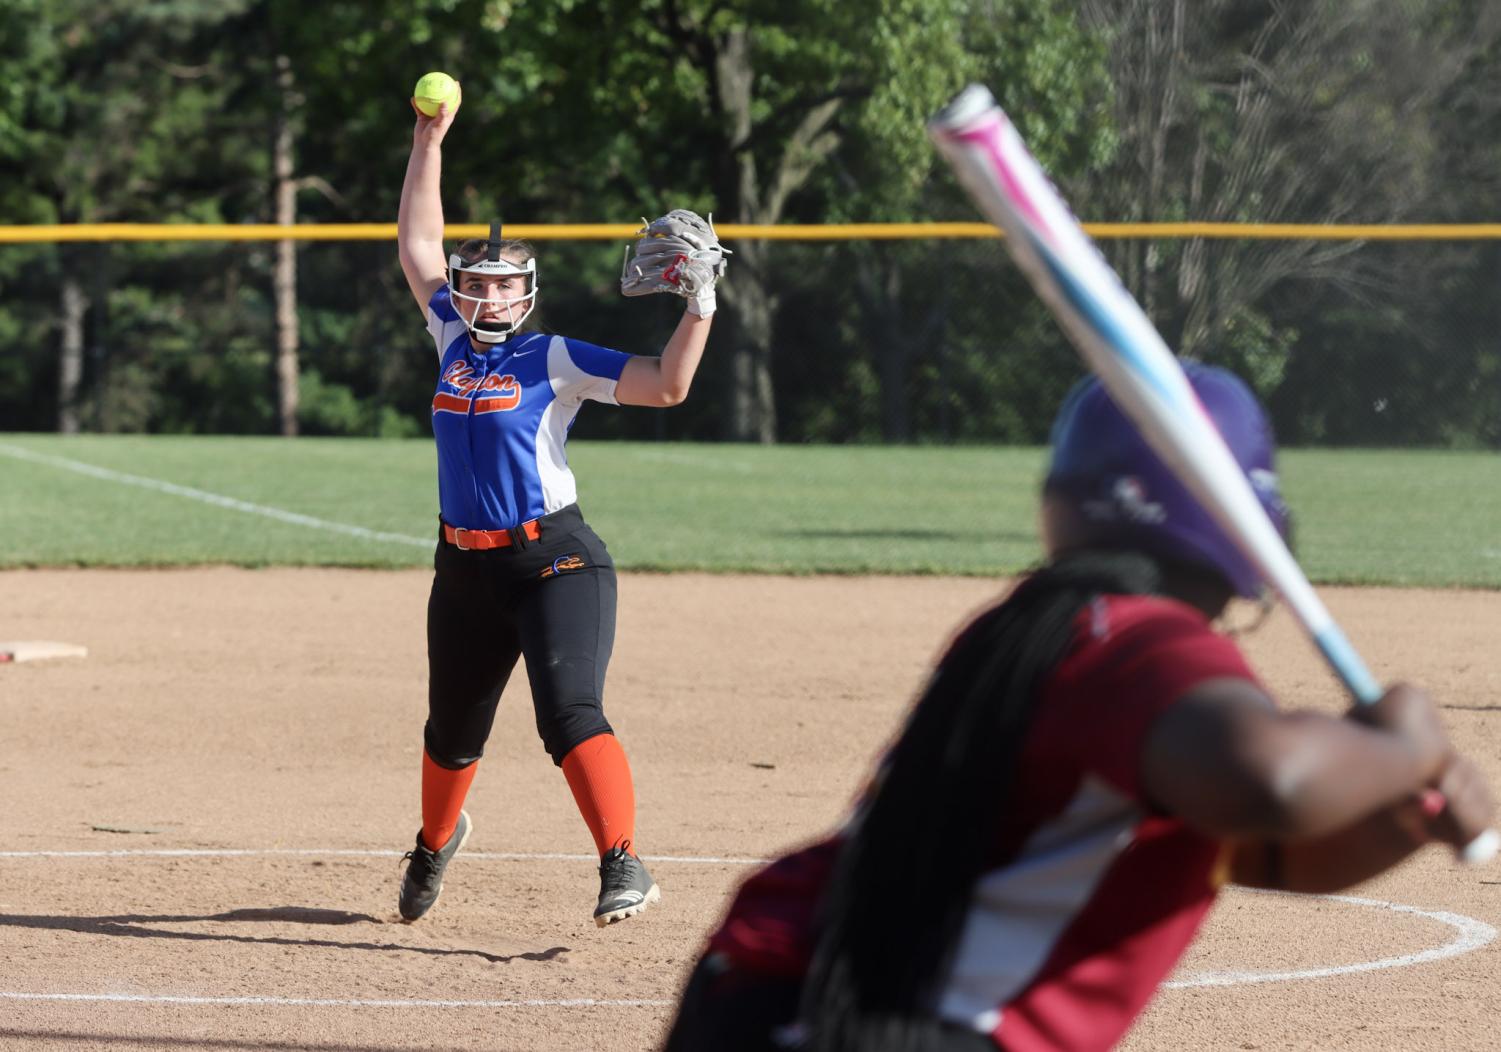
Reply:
x=600, y=778
x=443, y=792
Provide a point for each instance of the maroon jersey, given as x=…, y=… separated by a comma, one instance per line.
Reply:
x=1066, y=942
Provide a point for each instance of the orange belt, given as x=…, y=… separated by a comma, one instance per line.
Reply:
x=485, y=540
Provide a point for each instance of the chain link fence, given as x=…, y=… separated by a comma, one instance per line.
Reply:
x=1385, y=342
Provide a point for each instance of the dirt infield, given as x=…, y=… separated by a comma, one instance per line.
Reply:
x=203, y=818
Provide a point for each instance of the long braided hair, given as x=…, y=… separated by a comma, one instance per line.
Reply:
x=894, y=910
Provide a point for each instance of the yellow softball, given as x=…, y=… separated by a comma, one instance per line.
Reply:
x=433, y=90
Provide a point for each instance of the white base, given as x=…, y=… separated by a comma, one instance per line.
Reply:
x=36, y=649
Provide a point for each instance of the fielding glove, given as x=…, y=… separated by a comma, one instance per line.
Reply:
x=678, y=253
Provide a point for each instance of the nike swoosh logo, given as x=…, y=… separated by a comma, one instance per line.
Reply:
x=631, y=897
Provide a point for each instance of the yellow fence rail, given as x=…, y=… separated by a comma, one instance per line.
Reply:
x=741, y=231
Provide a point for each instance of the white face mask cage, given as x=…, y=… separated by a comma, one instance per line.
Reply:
x=513, y=311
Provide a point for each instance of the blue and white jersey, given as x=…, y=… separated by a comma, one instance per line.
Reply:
x=501, y=416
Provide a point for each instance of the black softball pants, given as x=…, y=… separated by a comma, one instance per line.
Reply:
x=725, y=1010
x=552, y=601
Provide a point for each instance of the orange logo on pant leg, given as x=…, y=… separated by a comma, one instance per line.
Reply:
x=563, y=564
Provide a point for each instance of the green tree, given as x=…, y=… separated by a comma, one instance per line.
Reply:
x=1271, y=112
x=118, y=121
x=756, y=101
x=912, y=302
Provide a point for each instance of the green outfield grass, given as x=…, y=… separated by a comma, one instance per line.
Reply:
x=1390, y=517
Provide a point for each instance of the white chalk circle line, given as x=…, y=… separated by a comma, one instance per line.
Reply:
x=1469, y=934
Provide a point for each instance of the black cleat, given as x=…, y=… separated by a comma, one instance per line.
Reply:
x=424, y=877
x=625, y=887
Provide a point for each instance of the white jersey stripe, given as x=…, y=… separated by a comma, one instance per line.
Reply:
x=570, y=386
x=445, y=332
x=1018, y=914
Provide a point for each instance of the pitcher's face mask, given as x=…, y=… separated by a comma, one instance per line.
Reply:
x=497, y=311
x=489, y=286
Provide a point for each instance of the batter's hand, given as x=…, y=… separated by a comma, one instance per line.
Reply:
x=1462, y=807
x=1410, y=714
x=430, y=130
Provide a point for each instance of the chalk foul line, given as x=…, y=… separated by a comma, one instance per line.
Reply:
x=333, y=1002
x=216, y=499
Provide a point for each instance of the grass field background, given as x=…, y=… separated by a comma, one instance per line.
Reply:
x=1363, y=516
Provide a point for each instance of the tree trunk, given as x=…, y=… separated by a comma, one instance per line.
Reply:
x=70, y=360
x=284, y=279
x=878, y=280
x=753, y=415
x=752, y=409
x=758, y=197
x=896, y=400
x=103, y=408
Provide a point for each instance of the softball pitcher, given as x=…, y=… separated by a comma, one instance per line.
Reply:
x=517, y=569
x=1090, y=762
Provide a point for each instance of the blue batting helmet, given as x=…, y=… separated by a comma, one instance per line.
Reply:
x=1125, y=496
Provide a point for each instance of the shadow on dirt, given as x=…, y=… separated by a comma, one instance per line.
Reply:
x=132, y=925
x=76, y=1038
